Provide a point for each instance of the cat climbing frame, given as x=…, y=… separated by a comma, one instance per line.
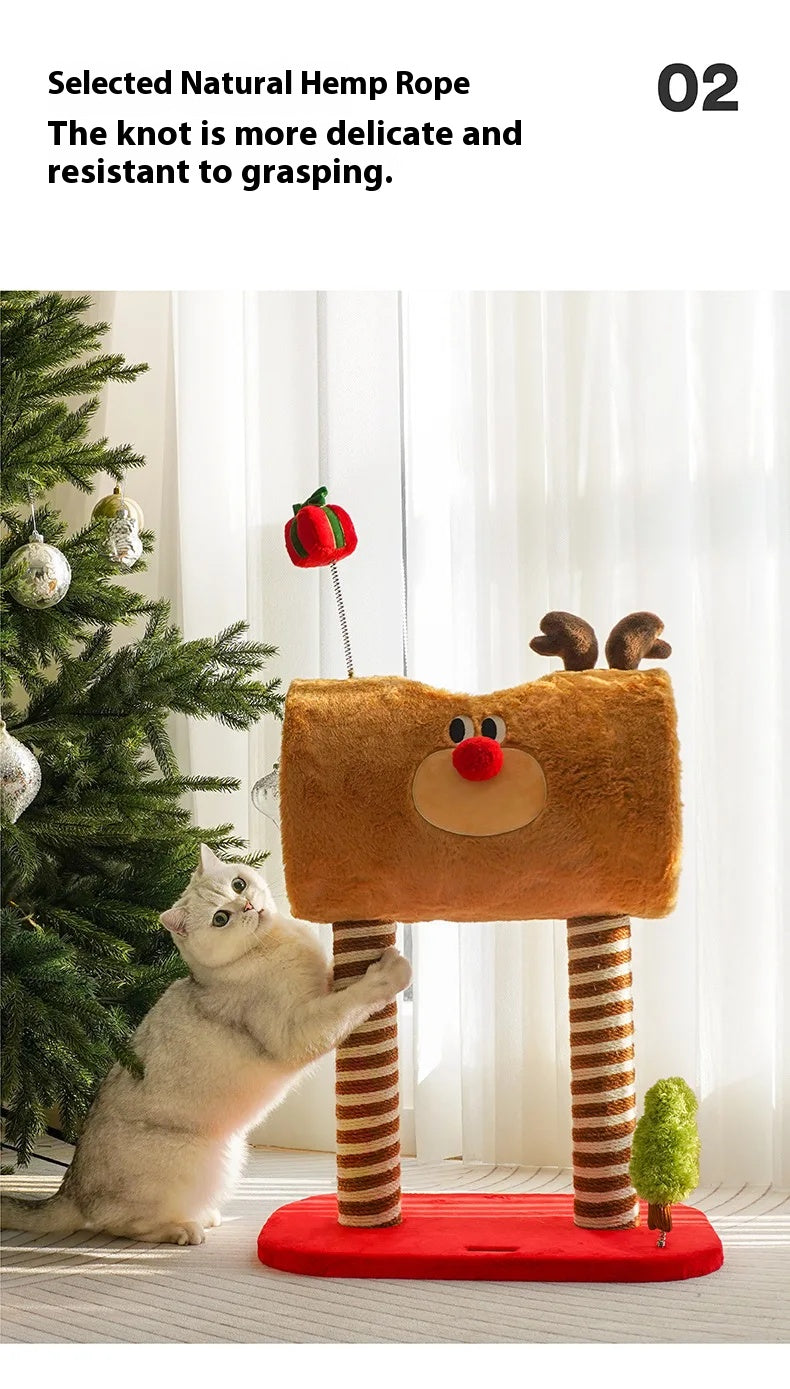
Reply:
x=559, y=798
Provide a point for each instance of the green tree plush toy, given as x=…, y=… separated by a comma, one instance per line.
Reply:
x=665, y=1154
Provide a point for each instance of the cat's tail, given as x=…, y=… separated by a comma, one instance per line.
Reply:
x=56, y=1215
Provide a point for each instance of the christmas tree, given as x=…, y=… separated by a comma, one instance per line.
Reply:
x=104, y=844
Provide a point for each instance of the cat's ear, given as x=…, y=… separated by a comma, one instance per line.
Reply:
x=209, y=863
x=175, y=920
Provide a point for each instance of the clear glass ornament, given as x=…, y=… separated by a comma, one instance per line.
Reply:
x=266, y=794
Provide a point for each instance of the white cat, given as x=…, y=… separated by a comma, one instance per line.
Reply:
x=158, y=1155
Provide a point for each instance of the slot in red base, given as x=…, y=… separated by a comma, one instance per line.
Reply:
x=486, y=1237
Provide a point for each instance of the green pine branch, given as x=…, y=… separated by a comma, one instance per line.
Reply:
x=50, y=353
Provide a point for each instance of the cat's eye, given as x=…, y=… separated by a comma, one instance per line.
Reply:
x=220, y=919
x=493, y=727
x=238, y=884
x=461, y=727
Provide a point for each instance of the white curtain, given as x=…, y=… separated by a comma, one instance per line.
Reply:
x=603, y=453
x=276, y=394
x=508, y=454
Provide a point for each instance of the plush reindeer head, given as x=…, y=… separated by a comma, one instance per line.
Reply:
x=558, y=798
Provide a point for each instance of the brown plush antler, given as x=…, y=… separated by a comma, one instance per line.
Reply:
x=635, y=638
x=569, y=637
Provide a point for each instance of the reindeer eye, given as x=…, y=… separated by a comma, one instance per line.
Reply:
x=461, y=727
x=493, y=727
x=220, y=919
x=238, y=884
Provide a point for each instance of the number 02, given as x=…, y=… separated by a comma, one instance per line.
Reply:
x=714, y=100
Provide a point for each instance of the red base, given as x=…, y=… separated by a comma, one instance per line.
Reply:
x=516, y=1237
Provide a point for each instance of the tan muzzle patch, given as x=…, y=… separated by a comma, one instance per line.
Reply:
x=511, y=799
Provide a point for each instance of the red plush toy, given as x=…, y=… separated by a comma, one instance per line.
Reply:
x=319, y=534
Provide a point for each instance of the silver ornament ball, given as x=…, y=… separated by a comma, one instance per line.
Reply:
x=37, y=575
x=20, y=775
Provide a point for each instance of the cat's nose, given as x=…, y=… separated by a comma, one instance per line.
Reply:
x=248, y=907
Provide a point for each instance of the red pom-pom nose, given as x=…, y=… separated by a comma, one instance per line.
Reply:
x=478, y=759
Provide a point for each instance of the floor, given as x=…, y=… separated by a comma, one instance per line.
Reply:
x=112, y=1291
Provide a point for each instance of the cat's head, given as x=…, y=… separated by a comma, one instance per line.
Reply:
x=224, y=908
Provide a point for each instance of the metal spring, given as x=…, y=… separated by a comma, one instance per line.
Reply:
x=343, y=624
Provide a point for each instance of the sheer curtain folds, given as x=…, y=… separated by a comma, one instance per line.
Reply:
x=603, y=453
x=276, y=394
x=595, y=452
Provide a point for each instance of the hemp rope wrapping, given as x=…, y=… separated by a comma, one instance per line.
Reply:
x=367, y=1102
x=603, y=1095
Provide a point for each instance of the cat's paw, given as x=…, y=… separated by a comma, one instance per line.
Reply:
x=212, y=1219
x=388, y=976
x=188, y=1233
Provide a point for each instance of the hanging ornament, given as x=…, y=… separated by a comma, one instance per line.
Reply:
x=37, y=575
x=20, y=775
x=125, y=521
x=123, y=538
x=110, y=505
x=266, y=794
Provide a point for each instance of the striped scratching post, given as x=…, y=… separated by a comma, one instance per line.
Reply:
x=603, y=1099
x=368, y=1101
